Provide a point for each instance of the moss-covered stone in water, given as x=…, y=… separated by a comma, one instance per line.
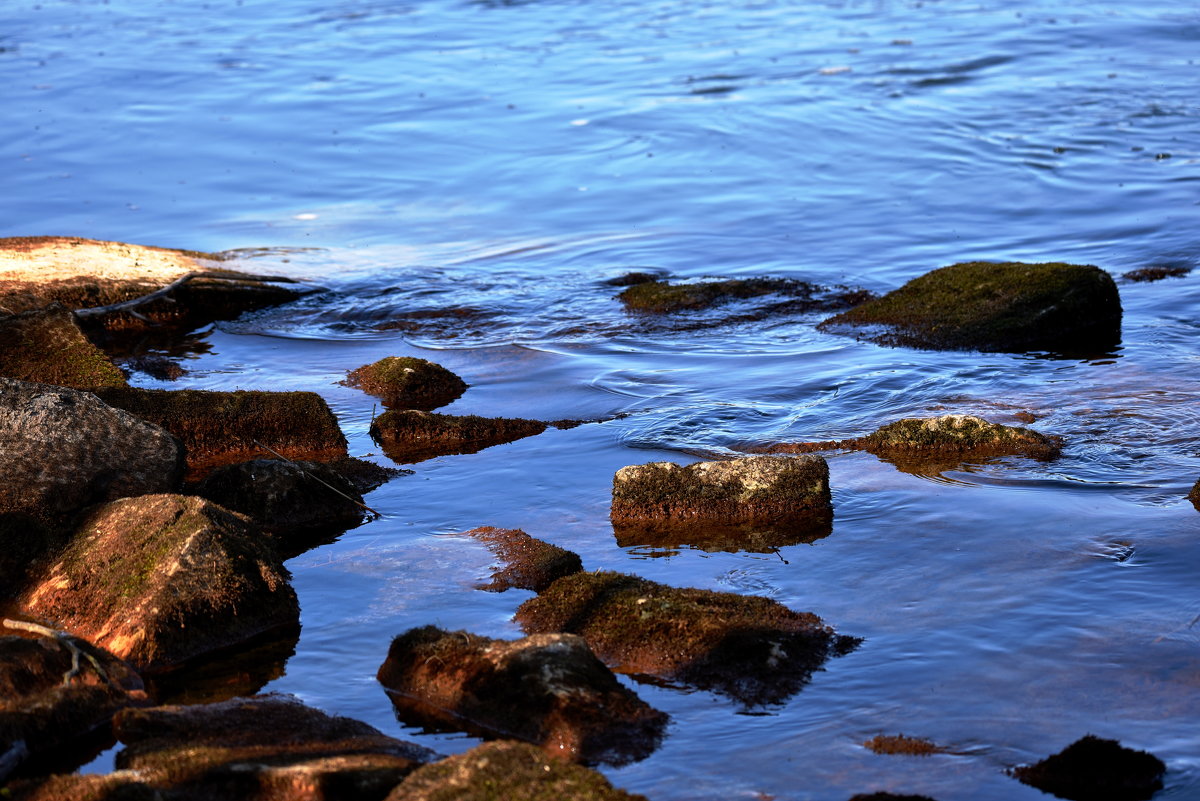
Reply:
x=48, y=347
x=902, y=744
x=405, y=382
x=959, y=434
x=1194, y=496
x=529, y=563
x=751, y=648
x=409, y=436
x=1010, y=307
x=662, y=296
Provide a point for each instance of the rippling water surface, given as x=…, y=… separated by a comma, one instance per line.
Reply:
x=464, y=178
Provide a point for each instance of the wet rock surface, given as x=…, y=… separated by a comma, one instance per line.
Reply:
x=504, y=770
x=404, y=382
x=1095, y=769
x=219, y=428
x=409, y=436
x=64, y=449
x=662, y=297
x=47, y=346
x=902, y=744
x=160, y=579
x=985, y=306
x=547, y=689
x=750, y=648
x=528, y=563
x=1194, y=495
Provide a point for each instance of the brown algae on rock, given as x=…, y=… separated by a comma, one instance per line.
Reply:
x=750, y=648
x=47, y=346
x=902, y=744
x=408, y=436
x=405, y=382
x=662, y=297
x=986, y=306
x=528, y=563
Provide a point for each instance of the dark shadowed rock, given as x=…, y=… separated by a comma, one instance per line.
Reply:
x=160, y=579
x=507, y=770
x=404, y=382
x=64, y=449
x=1009, y=307
x=1094, y=769
x=548, y=689
x=1156, y=273
x=365, y=476
x=47, y=346
x=889, y=797
x=24, y=540
x=1194, y=496
x=410, y=436
x=528, y=563
x=663, y=297
x=54, y=691
x=750, y=648
x=219, y=428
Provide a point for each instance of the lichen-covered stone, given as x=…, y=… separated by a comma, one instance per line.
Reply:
x=751, y=648
x=756, y=489
x=1009, y=307
x=405, y=382
x=160, y=579
x=507, y=770
x=64, y=449
x=47, y=346
x=1094, y=769
x=219, y=428
x=409, y=436
x=547, y=689
x=528, y=563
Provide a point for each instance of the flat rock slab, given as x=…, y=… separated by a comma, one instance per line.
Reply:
x=507, y=770
x=55, y=690
x=1095, y=769
x=64, y=449
x=410, y=436
x=219, y=428
x=1008, y=307
x=528, y=563
x=404, y=382
x=47, y=346
x=160, y=579
x=750, y=648
x=548, y=689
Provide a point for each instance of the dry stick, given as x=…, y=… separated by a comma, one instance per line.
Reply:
x=314, y=478
x=129, y=305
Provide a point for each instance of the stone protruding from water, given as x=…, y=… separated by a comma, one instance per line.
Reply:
x=47, y=346
x=409, y=436
x=160, y=579
x=755, y=489
x=1194, y=495
x=64, y=449
x=663, y=297
x=1095, y=769
x=507, y=770
x=1008, y=307
x=405, y=382
x=750, y=648
x=528, y=563
x=902, y=744
x=546, y=689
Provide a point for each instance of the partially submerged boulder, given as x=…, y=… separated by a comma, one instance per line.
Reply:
x=528, y=563
x=902, y=744
x=663, y=297
x=47, y=346
x=405, y=382
x=160, y=579
x=750, y=648
x=1008, y=307
x=219, y=428
x=1194, y=495
x=507, y=770
x=1095, y=769
x=64, y=449
x=547, y=689
x=409, y=436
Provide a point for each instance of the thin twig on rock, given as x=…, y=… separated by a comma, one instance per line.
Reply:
x=128, y=306
x=314, y=478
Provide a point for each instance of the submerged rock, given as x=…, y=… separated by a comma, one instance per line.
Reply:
x=1194, y=496
x=507, y=770
x=1008, y=307
x=750, y=648
x=47, y=346
x=1157, y=273
x=548, y=689
x=405, y=382
x=662, y=297
x=64, y=449
x=219, y=428
x=409, y=436
x=160, y=579
x=902, y=744
x=1094, y=769
x=529, y=563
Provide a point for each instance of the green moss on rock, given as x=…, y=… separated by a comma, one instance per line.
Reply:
x=46, y=346
x=528, y=563
x=405, y=382
x=409, y=436
x=664, y=297
x=986, y=306
x=959, y=434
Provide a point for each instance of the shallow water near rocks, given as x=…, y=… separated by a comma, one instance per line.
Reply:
x=465, y=177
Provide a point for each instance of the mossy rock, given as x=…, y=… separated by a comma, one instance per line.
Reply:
x=503, y=771
x=1008, y=307
x=902, y=744
x=750, y=648
x=408, y=436
x=1095, y=769
x=959, y=434
x=46, y=346
x=528, y=563
x=662, y=297
x=405, y=382
x=1194, y=496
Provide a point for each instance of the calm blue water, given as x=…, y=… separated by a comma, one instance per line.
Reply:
x=504, y=159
